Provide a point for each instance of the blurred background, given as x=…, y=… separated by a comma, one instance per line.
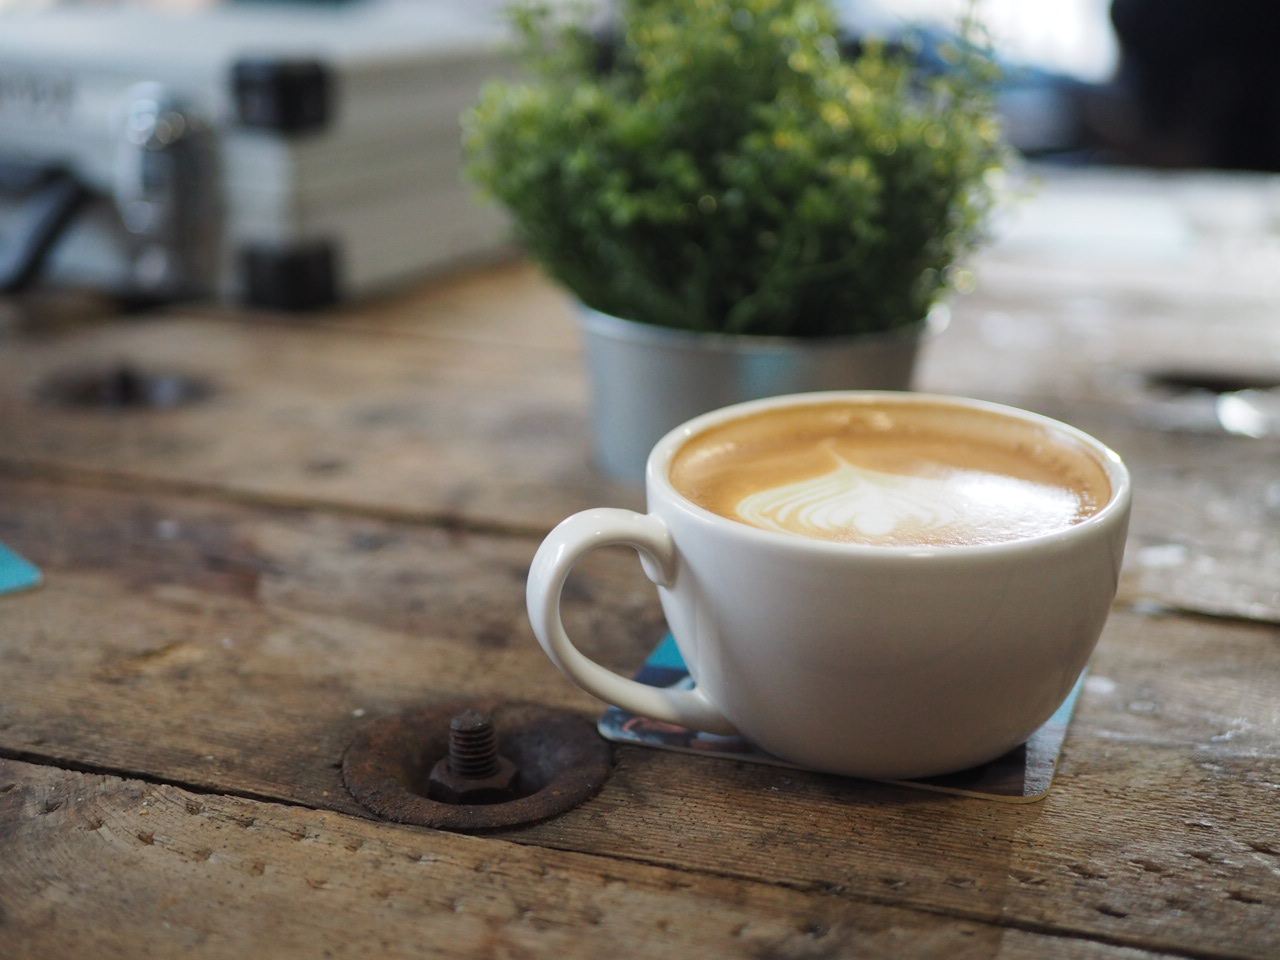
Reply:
x=1157, y=82
x=370, y=157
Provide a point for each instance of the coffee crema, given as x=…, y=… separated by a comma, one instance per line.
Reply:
x=885, y=473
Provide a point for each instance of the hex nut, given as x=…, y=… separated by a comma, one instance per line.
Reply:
x=448, y=787
x=563, y=763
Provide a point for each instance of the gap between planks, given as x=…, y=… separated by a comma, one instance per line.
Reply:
x=121, y=481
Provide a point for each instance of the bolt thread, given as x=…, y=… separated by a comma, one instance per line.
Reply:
x=473, y=746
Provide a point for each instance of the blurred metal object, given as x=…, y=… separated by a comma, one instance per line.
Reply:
x=50, y=200
x=162, y=184
x=562, y=762
x=473, y=771
x=287, y=156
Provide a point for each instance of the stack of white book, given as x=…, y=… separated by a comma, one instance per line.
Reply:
x=276, y=154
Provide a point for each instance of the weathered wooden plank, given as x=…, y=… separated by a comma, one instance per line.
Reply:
x=104, y=867
x=1205, y=534
x=1123, y=348
x=1206, y=525
x=436, y=426
x=1162, y=825
x=1132, y=307
x=226, y=621
x=231, y=648
x=506, y=304
x=465, y=403
x=1183, y=231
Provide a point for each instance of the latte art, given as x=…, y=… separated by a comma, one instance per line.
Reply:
x=854, y=504
x=888, y=472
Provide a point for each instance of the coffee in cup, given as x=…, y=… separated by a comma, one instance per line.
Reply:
x=886, y=585
x=887, y=474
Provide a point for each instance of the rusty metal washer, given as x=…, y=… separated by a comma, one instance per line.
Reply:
x=563, y=761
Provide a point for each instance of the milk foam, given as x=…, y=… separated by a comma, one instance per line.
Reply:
x=962, y=507
x=892, y=473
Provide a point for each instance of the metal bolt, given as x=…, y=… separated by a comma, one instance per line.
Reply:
x=472, y=772
x=562, y=758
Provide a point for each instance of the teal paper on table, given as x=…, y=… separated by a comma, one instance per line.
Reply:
x=16, y=572
x=1020, y=776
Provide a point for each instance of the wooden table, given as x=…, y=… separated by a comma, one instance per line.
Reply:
x=340, y=531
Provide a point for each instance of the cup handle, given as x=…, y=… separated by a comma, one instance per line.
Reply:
x=563, y=547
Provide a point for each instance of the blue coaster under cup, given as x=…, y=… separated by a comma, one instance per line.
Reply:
x=1020, y=776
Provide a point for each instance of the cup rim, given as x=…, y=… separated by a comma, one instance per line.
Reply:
x=658, y=481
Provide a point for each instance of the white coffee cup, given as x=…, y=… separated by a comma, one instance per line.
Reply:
x=878, y=661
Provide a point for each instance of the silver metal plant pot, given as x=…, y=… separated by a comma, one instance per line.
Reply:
x=645, y=380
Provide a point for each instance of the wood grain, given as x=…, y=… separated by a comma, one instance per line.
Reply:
x=114, y=868
x=1153, y=833
x=342, y=529
x=1205, y=532
x=464, y=404
x=238, y=649
x=229, y=622
x=425, y=427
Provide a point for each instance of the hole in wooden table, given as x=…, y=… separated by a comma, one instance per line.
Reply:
x=1191, y=381
x=123, y=386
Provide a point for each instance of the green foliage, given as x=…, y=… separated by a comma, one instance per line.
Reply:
x=732, y=172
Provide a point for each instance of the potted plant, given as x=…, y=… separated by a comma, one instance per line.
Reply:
x=741, y=207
